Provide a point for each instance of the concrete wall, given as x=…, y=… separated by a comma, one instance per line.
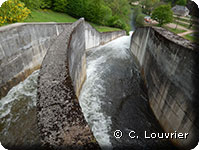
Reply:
x=77, y=57
x=169, y=66
x=22, y=49
x=59, y=115
x=93, y=38
x=63, y=71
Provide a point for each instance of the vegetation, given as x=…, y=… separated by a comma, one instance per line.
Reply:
x=194, y=27
x=149, y=5
x=177, y=31
x=181, y=2
x=60, y=5
x=51, y=16
x=193, y=38
x=194, y=20
x=104, y=28
x=138, y=16
x=32, y=4
x=163, y=14
x=114, y=13
x=13, y=11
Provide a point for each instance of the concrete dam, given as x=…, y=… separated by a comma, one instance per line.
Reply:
x=97, y=90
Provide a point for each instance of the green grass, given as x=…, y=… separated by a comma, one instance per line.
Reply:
x=103, y=28
x=194, y=27
x=177, y=31
x=51, y=16
x=194, y=38
x=185, y=20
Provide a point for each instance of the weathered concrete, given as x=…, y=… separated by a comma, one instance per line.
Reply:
x=169, y=66
x=22, y=49
x=93, y=38
x=60, y=119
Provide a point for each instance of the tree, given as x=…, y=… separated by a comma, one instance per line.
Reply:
x=60, y=5
x=32, y=4
x=181, y=2
x=120, y=13
x=149, y=5
x=97, y=12
x=138, y=17
x=46, y=4
x=163, y=14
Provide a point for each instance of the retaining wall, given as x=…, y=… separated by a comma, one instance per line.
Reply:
x=22, y=49
x=169, y=66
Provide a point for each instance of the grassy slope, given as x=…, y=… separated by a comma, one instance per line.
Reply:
x=51, y=16
x=177, y=31
x=194, y=38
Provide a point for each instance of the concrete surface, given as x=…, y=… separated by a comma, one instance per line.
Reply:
x=169, y=65
x=60, y=118
x=22, y=49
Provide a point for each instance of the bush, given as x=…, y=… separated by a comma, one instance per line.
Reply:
x=60, y=5
x=46, y=4
x=13, y=11
x=32, y=4
x=140, y=20
x=98, y=12
x=138, y=17
x=116, y=22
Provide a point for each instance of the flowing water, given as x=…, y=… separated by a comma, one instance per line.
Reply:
x=18, y=126
x=113, y=98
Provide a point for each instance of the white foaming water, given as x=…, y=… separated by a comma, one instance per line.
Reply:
x=27, y=89
x=94, y=89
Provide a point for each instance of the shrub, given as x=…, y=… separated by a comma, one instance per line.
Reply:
x=60, y=5
x=32, y=4
x=46, y=4
x=13, y=11
x=98, y=12
x=140, y=20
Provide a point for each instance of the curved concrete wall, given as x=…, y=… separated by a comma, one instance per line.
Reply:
x=59, y=115
x=169, y=66
x=22, y=49
x=63, y=71
x=94, y=38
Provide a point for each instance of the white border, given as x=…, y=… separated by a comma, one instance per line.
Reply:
x=1, y=2
x=196, y=148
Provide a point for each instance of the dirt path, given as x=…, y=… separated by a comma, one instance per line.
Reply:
x=173, y=25
x=187, y=23
x=184, y=33
x=186, y=18
x=187, y=31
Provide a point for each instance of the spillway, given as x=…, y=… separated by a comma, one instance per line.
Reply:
x=18, y=126
x=113, y=98
x=111, y=91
